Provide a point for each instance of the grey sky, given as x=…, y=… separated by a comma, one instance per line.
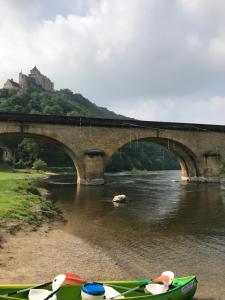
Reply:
x=148, y=59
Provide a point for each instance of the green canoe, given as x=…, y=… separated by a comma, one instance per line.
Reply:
x=182, y=288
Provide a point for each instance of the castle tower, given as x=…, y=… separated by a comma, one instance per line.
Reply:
x=23, y=81
x=35, y=72
x=41, y=80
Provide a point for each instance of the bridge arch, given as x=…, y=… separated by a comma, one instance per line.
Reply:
x=47, y=138
x=185, y=156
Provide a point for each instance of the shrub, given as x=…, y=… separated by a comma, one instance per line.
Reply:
x=39, y=164
x=33, y=190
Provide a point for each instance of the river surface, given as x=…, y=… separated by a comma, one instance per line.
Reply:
x=166, y=224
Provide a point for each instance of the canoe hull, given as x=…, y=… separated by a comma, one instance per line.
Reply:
x=184, y=289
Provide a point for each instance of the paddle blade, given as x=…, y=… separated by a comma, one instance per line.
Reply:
x=163, y=278
x=166, y=277
x=72, y=279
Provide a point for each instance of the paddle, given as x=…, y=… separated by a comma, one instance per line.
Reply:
x=165, y=278
x=28, y=289
x=71, y=279
x=131, y=290
x=57, y=282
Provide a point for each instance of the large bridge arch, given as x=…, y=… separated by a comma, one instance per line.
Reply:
x=47, y=138
x=185, y=156
x=76, y=141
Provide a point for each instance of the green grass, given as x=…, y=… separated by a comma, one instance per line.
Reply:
x=21, y=203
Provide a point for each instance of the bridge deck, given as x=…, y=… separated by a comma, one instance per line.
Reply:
x=100, y=122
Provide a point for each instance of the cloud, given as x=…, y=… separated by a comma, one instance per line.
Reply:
x=158, y=59
x=203, y=111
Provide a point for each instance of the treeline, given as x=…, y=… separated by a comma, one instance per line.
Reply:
x=63, y=102
x=142, y=156
x=137, y=155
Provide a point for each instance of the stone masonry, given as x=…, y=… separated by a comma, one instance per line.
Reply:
x=90, y=142
x=10, y=84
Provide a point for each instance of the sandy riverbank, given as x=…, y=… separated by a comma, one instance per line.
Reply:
x=38, y=256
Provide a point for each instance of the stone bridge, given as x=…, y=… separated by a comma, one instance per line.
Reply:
x=90, y=142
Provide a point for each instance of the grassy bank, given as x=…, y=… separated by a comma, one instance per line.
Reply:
x=21, y=203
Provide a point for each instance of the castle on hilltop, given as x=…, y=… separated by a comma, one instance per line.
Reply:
x=34, y=80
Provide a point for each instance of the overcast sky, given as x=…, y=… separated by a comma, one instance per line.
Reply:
x=148, y=59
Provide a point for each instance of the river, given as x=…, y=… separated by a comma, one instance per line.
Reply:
x=166, y=224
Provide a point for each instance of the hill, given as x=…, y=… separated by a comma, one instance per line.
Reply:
x=62, y=102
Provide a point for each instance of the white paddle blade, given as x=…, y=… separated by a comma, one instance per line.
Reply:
x=41, y=294
x=170, y=275
x=58, y=282
x=111, y=293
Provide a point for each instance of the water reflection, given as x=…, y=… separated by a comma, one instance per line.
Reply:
x=165, y=224
x=158, y=200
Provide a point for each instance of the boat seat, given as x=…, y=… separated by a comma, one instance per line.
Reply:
x=40, y=294
x=156, y=288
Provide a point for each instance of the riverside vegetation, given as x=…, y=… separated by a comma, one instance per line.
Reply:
x=22, y=203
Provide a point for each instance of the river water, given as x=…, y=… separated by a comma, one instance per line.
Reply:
x=166, y=224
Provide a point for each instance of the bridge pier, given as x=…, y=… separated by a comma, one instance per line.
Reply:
x=209, y=168
x=212, y=168
x=93, y=168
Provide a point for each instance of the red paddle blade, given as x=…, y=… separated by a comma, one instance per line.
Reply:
x=163, y=278
x=73, y=279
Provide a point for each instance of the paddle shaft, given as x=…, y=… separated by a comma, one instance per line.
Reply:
x=52, y=294
x=27, y=289
x=116, y=286
x=129, y=291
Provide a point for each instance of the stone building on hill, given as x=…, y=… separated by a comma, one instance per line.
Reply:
x=10, y=84
x=34, y=80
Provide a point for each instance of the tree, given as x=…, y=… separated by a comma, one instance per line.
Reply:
x=27, y=152
x=53, y=110
x=39, y=164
